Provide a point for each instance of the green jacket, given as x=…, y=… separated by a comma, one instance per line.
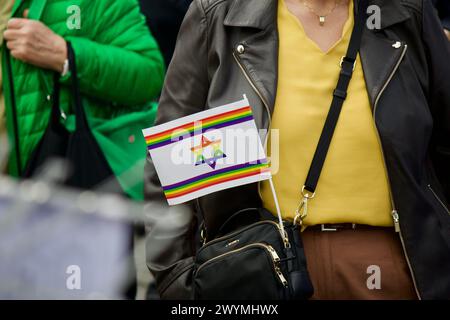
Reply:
x=120, y=70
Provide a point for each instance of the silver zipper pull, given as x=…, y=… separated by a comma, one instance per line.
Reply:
x=281, y=276
x=396, y=220
x=276, y=261
x=274, y=254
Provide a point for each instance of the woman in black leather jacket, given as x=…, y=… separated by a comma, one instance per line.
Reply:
x=230, y=47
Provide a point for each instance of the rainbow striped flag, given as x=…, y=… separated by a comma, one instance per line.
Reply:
x=207, y=152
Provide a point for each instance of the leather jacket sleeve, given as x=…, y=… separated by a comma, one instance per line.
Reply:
x=438, y=51
x=170, y=231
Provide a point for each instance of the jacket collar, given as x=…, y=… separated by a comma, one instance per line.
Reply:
x=392, y=12
x=262, y=13
x=258, y=14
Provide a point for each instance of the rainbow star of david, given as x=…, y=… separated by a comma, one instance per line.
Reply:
x=216, y=154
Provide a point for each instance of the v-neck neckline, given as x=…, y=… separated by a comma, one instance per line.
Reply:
x=345, y=30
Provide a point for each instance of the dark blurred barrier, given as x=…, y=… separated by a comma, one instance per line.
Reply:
x=443, y=8
x=164, y=19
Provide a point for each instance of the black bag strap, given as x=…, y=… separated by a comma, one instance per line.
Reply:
x=339, y=95
x=14, y=110
x=80, y=115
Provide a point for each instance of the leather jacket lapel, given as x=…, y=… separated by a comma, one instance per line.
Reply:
x=379, y=56
x=260, y=64
x=259, y=14
x=259, y=57
x=392, y=12
x=379, y=53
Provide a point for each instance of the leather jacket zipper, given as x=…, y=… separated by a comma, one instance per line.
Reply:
x=396, y=219
x=269, y=249
x=265, y=103
x=252, y=84
x=439, y=199
x=395, y=215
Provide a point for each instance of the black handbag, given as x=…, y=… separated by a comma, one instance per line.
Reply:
x=87, y=165
x=256, y=257
x=257, y=261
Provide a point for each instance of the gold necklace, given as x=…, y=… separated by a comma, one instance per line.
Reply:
x=322, y=17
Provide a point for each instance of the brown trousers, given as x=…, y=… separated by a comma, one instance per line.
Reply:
x=366, y=263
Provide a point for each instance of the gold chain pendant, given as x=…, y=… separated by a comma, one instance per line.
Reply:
x=322, y=20
x=322, y=17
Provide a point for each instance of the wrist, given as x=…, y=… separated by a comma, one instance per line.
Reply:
x=60, y=55
x=65, y=70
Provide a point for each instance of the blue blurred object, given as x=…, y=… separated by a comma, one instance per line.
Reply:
x=61, y=245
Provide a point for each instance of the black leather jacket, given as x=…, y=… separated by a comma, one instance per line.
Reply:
x=407, y=72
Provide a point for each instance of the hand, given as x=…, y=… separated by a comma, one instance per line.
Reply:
x=33, y=42
x=447, y=33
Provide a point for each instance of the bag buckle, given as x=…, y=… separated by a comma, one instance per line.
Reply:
x=345, y=59
x=302, y=210
x=336, y=227
x=202, y=236
x=323, y=228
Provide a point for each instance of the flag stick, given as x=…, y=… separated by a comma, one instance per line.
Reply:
x=277, y=205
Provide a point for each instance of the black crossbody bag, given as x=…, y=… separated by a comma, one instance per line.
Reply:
x=257, y=257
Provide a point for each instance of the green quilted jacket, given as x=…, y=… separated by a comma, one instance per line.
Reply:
x=120, y=70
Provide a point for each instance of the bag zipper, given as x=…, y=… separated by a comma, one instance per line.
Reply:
x=268, y=248
x=233, y=234
x=276, y=260
x=439, y=199
x=394, y=213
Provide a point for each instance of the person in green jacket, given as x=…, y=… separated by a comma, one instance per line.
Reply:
x=120, y=70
